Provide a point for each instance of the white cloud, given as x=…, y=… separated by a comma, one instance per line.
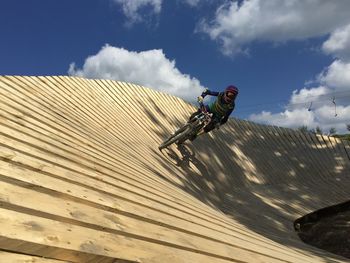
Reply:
x=292, y=119
x=323, y=116
x=192, y=2
x=334, y=82
x=236, y=25
x=308, y=95
x=300, y=23
x=337, y=76
x=147, y=68
x=131, y=8
x=327, y=120
x=339, y=43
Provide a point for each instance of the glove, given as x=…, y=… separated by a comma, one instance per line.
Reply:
x=200, y=99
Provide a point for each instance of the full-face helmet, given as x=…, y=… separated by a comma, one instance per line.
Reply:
x=230, y=93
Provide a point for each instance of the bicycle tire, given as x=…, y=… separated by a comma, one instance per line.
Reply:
x=176, y=137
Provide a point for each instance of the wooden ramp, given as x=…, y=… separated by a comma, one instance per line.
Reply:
x=82, y=179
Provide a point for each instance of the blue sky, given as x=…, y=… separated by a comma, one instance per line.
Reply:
x=282, y=55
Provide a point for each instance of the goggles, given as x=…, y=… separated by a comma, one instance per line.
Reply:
x=230, y=95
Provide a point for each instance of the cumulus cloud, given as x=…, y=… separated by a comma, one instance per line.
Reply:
x=334, y=84
x=327, y=104
x=305, y=95
x=236, y=24
x=320, y=117
x=292, y=119
x=323, y=113
x=147, y=68
x=337, y=76
x=338, y=43
x=325, y=117
x=131, y=9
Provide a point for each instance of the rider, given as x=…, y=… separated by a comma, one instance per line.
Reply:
x=221, y=108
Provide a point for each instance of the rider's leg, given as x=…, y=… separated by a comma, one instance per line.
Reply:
x=210, y=126
x=189, y=120
x=194, y=115
x=198, y=112
x=194, y=136
x=206, y=129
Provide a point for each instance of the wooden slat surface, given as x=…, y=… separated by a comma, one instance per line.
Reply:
x=21, y=258
x=82, y=179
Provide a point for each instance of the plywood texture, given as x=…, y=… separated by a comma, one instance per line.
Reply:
x=82, y=179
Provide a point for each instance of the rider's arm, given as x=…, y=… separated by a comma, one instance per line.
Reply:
x=209, y=92
x=205, y=93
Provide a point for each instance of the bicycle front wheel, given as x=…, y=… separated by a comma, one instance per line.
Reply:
x=180, y=136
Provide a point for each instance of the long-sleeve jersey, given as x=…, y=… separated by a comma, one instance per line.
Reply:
x=219, y=107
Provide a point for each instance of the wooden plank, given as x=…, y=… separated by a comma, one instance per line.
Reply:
x=321, y=165
x=323, y=159
x=8, y=257
x=104, y=184
x=346, y=145
x=311, y=161
x=286, y=152
x=264, y=164
x=22, y=199
x=112, y=203
x=90, y=146
x=69, y=242
x=141, y=185
x=341, y=154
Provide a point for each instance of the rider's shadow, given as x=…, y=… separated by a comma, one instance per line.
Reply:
x=182, y=156
x=182, y=159
x=185, y=157
x=198, y=185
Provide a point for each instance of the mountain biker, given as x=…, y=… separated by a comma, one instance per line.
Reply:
x=221, y=108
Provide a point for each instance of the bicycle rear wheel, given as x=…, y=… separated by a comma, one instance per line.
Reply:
x=179, y=136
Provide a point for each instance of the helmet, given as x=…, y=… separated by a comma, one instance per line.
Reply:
x=230, y=93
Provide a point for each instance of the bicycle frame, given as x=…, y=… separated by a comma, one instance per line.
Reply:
x=194, y=127
x=204, y=118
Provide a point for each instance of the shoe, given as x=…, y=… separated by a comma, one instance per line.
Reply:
x=192, y=137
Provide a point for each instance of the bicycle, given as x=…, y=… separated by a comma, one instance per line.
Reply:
x=193, y=127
